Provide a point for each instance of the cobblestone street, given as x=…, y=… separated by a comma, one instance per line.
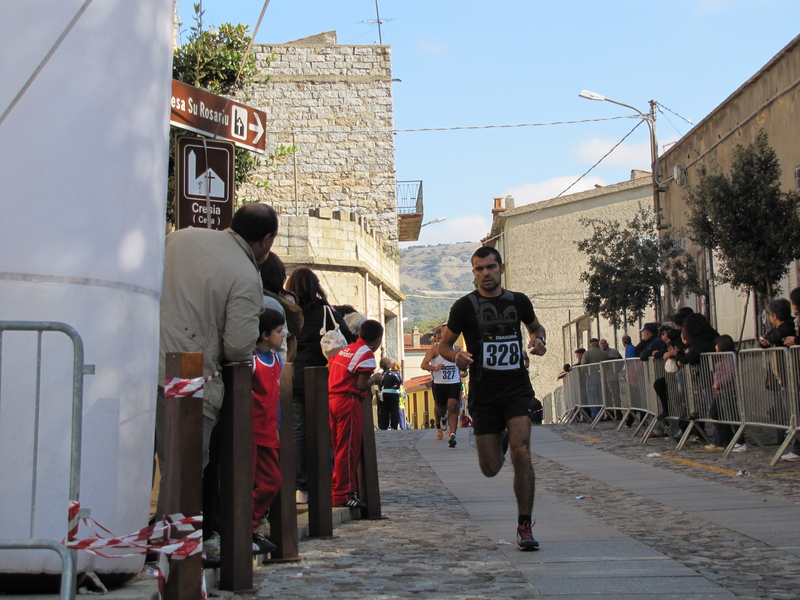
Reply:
x=430, y=545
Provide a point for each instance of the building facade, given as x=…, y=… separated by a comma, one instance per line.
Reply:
x=538, y=243
x=769, y=100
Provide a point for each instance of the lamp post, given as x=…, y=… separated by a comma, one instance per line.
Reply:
x=436, y=220
x=650, y=119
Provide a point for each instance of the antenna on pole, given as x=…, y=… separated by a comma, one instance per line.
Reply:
x=379, y=22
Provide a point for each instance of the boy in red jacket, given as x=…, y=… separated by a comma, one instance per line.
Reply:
x=350, y=376
x=267, y=365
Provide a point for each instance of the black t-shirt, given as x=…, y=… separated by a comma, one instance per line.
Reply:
x=494, y=339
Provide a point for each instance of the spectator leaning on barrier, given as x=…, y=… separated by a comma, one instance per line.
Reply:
x=578, y=356
x=594, y=355
x=210, y=301
x=794, y=298
x=649, y=336
x=724, y=387
x=627, y=344
x=780, y=316
x=613, y=353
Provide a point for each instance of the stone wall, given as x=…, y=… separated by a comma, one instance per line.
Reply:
x=539, y=248
x=334, y=103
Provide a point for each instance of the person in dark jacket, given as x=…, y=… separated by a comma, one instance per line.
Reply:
x=649, y=336
x=780, y=316
x=304, y=284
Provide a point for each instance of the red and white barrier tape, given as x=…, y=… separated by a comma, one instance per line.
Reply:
x=177, y=387
x=158, y=537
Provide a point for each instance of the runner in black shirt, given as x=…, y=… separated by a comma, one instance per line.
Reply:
x=500, y=392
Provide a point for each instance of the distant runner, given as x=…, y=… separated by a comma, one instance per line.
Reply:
x=446, y=388
x=500, y=391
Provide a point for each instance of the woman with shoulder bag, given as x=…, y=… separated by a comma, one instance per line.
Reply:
x=313, y=301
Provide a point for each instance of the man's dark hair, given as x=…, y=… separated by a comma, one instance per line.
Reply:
x=370, y=331
x=626, y=339
x=781, y=309
x=485, y=251
x=794, y=296
x=580, y=351
x=681, y=315
x=594, y=341
x=255, y=221
x=696, y=326
x=663, y=328
x=273, y=273
x=269, y=321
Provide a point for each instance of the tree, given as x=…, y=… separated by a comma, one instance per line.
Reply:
x=746, y=220
x=628, y=266
x=217, y=60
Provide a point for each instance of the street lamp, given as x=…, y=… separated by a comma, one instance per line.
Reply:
x=436, y=220
x=650, y=119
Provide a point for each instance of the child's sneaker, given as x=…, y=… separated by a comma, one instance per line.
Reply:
x=525, y=539
x=262, y=545
x=353, y=502
x=791, y=457
x=739, y=448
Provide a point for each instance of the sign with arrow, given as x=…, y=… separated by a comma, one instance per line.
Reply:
x=218, y=117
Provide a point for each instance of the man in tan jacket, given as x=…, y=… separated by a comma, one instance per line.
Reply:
x=211, y=299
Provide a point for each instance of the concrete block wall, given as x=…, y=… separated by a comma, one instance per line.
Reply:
x=335, y=104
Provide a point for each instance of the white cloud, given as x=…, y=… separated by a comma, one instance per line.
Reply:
x=528, y=193
x=468, y=228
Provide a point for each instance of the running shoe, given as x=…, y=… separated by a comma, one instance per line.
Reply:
x=301, y=497
x=262, y=545
x=791, y=457
x=439, y=434
x=739, y=448
x=353, y=502
x=525, y=539
x=713, y=447
x=452, y=441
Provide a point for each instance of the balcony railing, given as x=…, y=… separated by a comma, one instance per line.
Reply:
x=409, y=198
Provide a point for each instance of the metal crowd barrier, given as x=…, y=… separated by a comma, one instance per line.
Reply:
x=79, y=369
x=585, y=391
x=757, y=387
x=547, y=407
x=768, y=384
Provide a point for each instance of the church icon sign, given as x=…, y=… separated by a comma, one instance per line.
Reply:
x=206, y=186
x=239, y=123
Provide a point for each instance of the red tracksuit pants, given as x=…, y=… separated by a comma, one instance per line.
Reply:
x=346, y=430
x=267, y=479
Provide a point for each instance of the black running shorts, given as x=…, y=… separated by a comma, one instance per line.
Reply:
x=442, y=392
x=491, y=408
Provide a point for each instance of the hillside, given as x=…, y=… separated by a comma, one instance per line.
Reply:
x=432, y=277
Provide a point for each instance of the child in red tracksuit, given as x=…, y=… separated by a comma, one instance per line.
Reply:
x=267, y=477
x=350, y=376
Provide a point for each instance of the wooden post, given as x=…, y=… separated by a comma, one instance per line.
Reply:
x=182, y=478
x=283, y=512
x=236, y=479
x=368, y=487
x=318, y=453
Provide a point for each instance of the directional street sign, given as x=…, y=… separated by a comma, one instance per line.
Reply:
x=204, y=183
x=217, y=117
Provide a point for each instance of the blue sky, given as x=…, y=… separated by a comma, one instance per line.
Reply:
x=505, y=62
